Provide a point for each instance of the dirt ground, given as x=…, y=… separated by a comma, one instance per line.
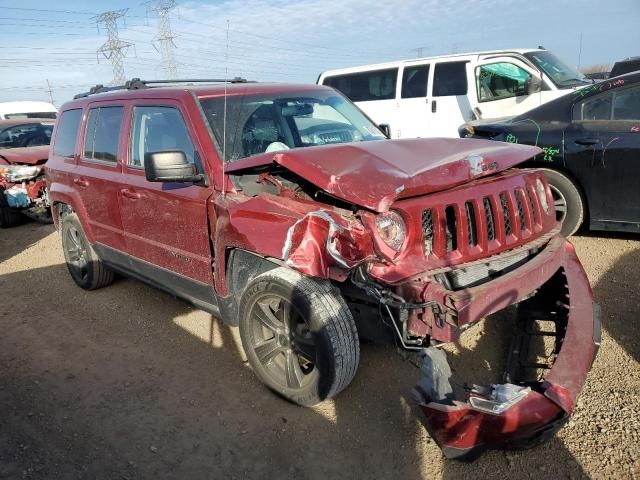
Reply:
x=127, y=382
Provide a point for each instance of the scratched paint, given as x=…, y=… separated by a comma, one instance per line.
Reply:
x=598, y=87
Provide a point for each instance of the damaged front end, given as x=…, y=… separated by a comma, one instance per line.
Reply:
x=22, y=182
x=420, y=269
x=552, y=345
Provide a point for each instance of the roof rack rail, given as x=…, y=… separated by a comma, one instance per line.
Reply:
x=137, y=84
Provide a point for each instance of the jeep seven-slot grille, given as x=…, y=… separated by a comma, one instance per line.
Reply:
x=509, y=213
x=427, y=230
x=488, y=212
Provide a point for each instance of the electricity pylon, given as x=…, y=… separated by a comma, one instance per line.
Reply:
x=113, y=49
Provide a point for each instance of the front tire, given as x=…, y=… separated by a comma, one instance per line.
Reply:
x=299, y=336
x=568, y=201
x=86, y=269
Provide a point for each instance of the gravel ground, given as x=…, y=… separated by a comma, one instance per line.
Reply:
x=127, y=382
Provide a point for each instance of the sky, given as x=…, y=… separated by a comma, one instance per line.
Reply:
x=292, y=41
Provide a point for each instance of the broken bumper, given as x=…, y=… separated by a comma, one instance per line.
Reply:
x=562, y=290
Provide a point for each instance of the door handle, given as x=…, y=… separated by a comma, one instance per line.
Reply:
x=80, y=182
x=588, y=141
x=129, y=194
x=434, y=106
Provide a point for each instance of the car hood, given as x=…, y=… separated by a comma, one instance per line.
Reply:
x=24, y=155
x=490, y=121
x=376, y=173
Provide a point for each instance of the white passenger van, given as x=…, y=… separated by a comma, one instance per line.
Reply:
x=28, y=109
x=432, y=97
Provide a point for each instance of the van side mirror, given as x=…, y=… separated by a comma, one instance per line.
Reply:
x=385, y=129
x=533, y=85
x=169, y=166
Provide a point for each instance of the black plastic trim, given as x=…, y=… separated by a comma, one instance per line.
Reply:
x=199, y=294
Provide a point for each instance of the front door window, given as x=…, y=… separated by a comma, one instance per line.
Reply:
x=496, y=81
x=158, y=129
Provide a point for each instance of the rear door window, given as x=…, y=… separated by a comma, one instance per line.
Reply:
x=450, y=78
x=414, y=81
x=158, y=129
x=366, y=86
x=626, y=104
x=66, y=133
x=102, y=134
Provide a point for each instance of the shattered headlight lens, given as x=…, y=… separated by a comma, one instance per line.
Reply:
x=19, y=173
x=391, y=229
x=542, y=195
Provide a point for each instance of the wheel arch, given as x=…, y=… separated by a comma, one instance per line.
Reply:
x=567, y=173
x=242, y=266
x=63, y=201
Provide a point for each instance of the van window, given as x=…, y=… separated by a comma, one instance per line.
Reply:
x=366, y=86
x=496, y=81
x=450, y=78
x=157, y=129
x=102, y=134
x=66, y=132
x=414, y=81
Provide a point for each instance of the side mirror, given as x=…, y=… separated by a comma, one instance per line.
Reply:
x=169, y=166
x=533, y=85
x=385, y=129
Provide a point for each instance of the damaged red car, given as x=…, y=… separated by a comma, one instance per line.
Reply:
x=23, y=189
x=285, y=211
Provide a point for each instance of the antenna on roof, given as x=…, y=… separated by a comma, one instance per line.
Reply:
x=224, y=113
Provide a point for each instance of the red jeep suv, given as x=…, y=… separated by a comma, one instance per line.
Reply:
x=285, y=211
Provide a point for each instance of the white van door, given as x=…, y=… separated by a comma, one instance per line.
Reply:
x=374, y=91
x=503, y=87
x=413, y=119
x=449, y=106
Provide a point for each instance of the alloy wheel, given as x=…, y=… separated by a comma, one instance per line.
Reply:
x=76, y=253
x=560, y=203
x=282, y=342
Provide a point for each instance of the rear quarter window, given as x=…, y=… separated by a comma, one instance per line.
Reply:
x=366, y=86
x=66, y=133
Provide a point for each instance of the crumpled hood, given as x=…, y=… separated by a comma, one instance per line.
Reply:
x=374, y=174
x=24, y=155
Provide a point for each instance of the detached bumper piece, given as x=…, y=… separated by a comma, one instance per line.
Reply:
x=539, y=391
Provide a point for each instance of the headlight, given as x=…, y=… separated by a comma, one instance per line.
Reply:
x=19, y=173
x=542, y=195
x=391, y=229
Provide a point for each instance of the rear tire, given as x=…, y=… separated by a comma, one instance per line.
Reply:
x=298, y=335
x=568, y=201
x=8, y=216
x=86, y=269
